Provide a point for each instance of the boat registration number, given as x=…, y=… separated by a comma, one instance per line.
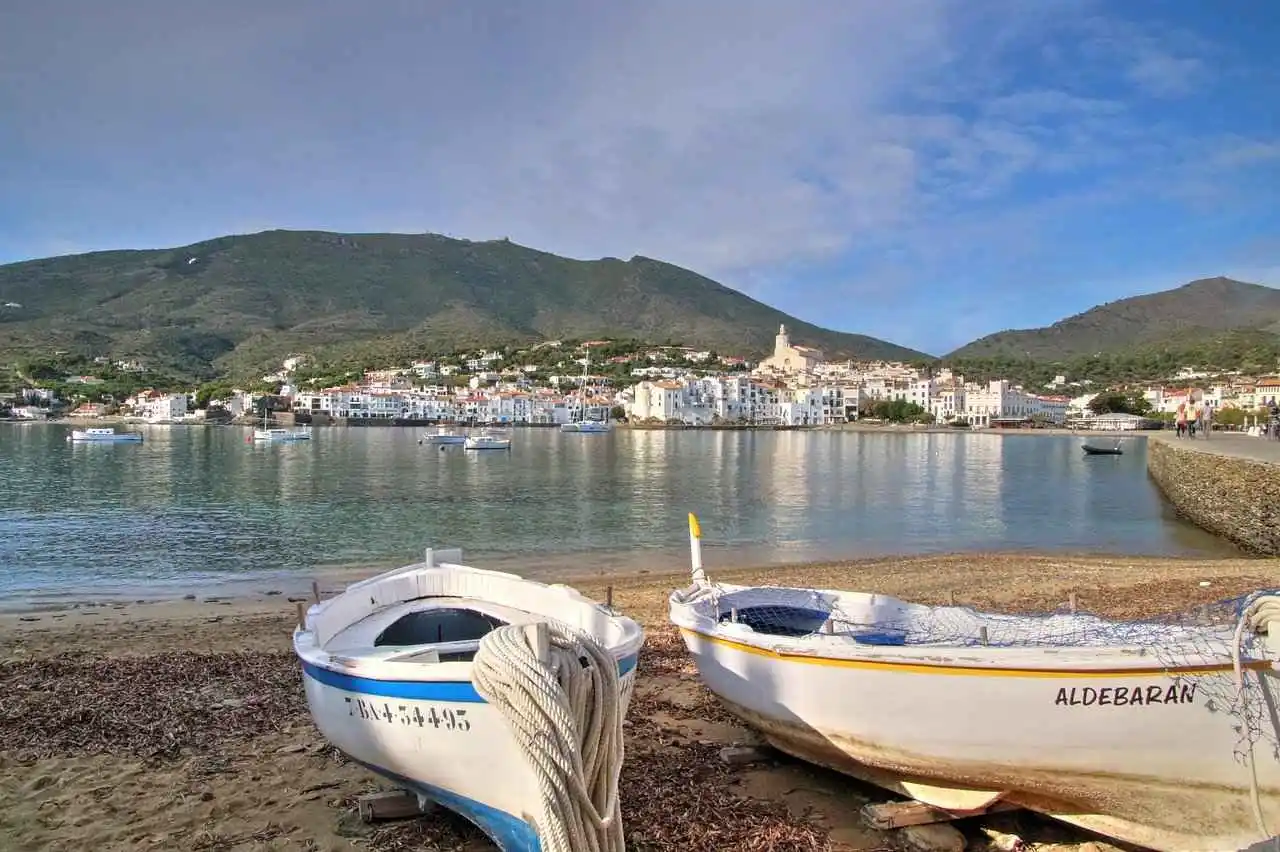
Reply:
x=440, y=718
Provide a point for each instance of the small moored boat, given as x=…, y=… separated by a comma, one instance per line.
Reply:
x=1160, y=733
x=487, y=441
x=441, y=678
x=442, y=436
x=587, y=427
x=106, y=435
x=276, y=434
x=581, y=425
x=1092, y=450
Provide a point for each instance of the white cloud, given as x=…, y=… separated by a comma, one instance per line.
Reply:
x=1164, y=75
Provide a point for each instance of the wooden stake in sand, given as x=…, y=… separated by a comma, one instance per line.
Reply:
x=315, y=591
x=302, y=615
x=389, y=804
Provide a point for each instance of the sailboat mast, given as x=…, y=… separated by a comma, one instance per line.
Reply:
x=582, y=388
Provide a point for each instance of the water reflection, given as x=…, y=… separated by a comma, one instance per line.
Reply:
x=194, y=502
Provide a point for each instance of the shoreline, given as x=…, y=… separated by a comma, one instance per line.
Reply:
x=281, y=593
x=184, y=725
x=855, y=426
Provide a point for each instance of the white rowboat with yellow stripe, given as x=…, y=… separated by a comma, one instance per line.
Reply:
x=1161, y=733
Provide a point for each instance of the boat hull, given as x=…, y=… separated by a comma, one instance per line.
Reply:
x=962, y=737
x=280, y=436
x=589, y=427
x=118, y=438
x=431, y=737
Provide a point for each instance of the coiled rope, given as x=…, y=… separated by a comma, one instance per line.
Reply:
x=566, y=715
x=1256, y=616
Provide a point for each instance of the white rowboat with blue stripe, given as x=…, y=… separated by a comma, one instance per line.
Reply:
x=387, y=672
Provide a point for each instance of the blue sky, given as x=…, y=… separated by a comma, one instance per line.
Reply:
x=926, y=171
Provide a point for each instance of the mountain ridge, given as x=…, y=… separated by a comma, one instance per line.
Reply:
x=1201, y=308
x=237, y=303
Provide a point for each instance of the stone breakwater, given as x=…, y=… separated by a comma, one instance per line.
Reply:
x=1228, y=486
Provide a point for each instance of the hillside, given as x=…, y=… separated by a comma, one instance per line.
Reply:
x=237, y=304
x=1201, y=311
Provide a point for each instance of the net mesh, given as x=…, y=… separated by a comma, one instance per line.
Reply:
x=883, y=620
x=1203, y=636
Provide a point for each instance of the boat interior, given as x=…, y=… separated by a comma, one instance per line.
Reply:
x=438, y=611
x=434, y=630
x=883, y=620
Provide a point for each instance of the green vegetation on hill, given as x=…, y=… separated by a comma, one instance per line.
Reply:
x=236, y=305
x=1249, y=351
x=108, y=382
x=1187, y=317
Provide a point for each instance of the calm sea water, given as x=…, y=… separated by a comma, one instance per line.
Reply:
x=194, y=507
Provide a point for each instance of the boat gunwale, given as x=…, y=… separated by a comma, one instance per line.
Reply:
x=892, y=658
x=309, y=649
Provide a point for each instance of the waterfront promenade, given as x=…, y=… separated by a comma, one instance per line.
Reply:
x=1232, y=445
x=1227, y=484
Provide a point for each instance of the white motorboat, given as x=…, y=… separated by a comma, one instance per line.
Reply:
x=487, y=441
x=442, y=436
x=590, y=427
x=276, y=434
x=106, y=435
x=1160, y=733
x=441, y=678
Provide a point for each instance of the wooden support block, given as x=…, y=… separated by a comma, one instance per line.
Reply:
x=889, y=815
x=389, y=804
x=744, y=755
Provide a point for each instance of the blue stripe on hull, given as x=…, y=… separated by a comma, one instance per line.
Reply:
x=421, y=690
x=510, y=833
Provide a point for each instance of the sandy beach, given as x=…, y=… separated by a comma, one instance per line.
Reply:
x=182, y=724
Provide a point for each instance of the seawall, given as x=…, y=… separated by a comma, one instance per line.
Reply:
x=1227, y=484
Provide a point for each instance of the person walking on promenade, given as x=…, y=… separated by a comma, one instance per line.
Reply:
x=1181, y=419
x=1206, y=419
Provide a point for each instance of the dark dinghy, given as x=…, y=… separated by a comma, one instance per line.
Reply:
x=1102, y=451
